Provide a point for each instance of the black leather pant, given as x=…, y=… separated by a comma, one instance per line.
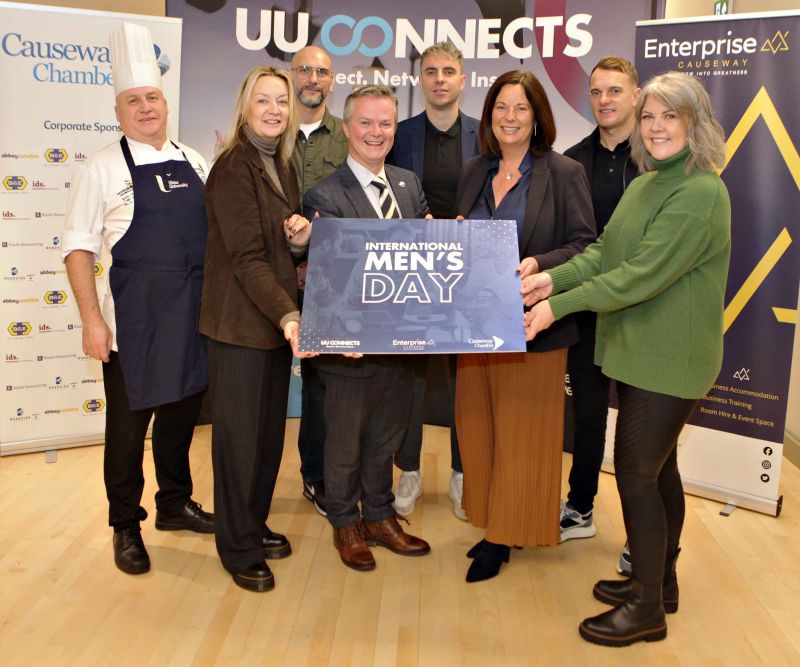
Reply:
x=646, y=466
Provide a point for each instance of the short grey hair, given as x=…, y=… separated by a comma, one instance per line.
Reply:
x=367, y=91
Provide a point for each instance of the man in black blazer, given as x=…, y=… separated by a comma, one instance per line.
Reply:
x=367, y=399
x=434, y=145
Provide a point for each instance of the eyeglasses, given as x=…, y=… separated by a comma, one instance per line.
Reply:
x=306, y=71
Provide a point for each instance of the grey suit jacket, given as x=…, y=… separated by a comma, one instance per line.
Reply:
x=340, y=195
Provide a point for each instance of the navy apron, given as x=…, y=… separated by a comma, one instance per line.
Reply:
x=156, y=279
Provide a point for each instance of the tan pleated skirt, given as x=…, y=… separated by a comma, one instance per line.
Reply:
x=510, y=424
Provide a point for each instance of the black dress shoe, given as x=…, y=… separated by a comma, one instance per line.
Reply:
x=130, y=556
x=487, y=561
x=314, y=490
x=275, y=545
x=189, y=517
x=257, y=578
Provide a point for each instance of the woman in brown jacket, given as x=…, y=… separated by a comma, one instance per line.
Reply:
x=249, y=313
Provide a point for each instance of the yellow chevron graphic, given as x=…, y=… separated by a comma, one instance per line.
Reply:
x=763, y=106
x=785, y=315
x=777, y=43
x=756, y=277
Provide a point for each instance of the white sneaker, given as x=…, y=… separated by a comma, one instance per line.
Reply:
x=574, y=524
x=409, y=488
x=456, y=490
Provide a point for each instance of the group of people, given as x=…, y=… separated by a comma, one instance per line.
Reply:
x=623, y=278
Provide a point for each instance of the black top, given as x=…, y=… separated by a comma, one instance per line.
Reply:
x=441, y=166
x=608, y=180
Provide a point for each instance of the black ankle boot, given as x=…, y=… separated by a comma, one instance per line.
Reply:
x=475, y=549
x=616, y=591
x=639, y=618
x=488, y=559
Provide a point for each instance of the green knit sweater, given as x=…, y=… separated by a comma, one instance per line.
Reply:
x=656, y=278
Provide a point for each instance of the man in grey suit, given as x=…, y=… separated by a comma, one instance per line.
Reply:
x=367, y=399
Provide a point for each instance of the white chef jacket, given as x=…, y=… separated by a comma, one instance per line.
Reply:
x=100, y=203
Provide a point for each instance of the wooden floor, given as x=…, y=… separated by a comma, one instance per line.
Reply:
x=62, y=601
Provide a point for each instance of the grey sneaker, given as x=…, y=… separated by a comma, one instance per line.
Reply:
x=624, y=564
x=574, y=524
x=409, y=488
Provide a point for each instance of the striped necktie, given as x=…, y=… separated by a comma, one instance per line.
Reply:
x=388, y=207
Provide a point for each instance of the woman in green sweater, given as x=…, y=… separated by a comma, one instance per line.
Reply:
x=656, y=278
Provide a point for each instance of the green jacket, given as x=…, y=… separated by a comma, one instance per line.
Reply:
x=656, y=278
x=321, y=154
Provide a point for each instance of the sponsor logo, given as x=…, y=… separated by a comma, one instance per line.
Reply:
x=170, y=185
x=59, y=411
x=8, y=215
x=15, y=183
x=57, y=155
x=80, y=157
x=486, y=343
x=16, y=301
x=55, y=297
x=41, y=185
x=19, y=156
x=94, y=405
x=777, y=44
x=340, y=343
x=342, y=35
x=743, y=374
x=19, y=328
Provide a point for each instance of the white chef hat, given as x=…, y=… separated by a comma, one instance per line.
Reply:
x=133, y=58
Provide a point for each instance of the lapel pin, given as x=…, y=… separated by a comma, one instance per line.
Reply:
x=402, y=184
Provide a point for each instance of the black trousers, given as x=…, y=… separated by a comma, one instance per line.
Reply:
x=649, y=484
x=126, y=429
x=366, y=418
x=590, y=403
x=311, y=438
x=408, y=456
x=250, y=389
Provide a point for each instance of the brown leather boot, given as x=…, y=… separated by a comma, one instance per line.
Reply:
x=353, y=550
x=388, y=533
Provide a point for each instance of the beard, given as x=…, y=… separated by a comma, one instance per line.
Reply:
x=312, y=101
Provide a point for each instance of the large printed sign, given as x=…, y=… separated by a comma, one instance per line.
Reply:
x=370, y=42
x=58, y=108
x=412, y=286
x=750, y=67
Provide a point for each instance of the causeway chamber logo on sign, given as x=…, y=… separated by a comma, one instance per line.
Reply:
x=67, y=63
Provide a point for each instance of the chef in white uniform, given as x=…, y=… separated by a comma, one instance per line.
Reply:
x=142, y=197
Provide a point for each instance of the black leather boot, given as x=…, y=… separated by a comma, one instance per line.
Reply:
x=487, y=561
x=616, y=591
x=639, y=618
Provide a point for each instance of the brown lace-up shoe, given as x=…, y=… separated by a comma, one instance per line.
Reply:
x=388, y=533
x=353, y=550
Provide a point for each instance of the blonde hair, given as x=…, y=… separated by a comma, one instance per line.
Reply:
x=447, y=49
x=686, y=96
x=241, y=110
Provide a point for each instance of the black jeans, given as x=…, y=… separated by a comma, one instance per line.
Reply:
x=311, y=438
x=649, y=484
x=407, y=457
x=590, y=402
x=126, y=429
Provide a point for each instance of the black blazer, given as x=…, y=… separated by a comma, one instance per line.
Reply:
x=340, y=195
x=559, y=222
x=408, y=151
